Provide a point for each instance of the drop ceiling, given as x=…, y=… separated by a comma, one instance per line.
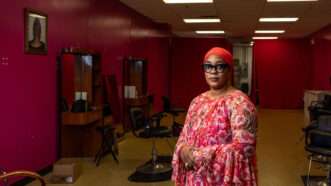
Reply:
x=239, y=18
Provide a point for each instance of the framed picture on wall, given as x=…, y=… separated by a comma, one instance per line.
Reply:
x=35, y=29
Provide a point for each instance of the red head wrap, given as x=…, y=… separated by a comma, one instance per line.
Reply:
x=222, y=53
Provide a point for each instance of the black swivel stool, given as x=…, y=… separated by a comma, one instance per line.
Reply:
x=159, y=167
x=108, y=141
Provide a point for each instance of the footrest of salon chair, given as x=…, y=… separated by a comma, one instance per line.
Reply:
x=139, y=176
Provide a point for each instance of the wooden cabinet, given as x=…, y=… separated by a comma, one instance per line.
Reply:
x=80, y=80
x=81, y=118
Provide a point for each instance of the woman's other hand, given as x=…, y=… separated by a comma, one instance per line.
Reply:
x=186, y=156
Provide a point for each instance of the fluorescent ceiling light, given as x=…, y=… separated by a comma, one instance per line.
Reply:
x=186, y=1
x=206, y=20
x=210, y=32
x=290, y=0
x=269, y=31
x=265, y=37
x=278, y=19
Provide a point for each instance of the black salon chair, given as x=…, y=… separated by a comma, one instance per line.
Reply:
x=319, y=108
x=173, y=111
x=318, y=144
x=159, y=167
x=147, y=127
x=4, y=176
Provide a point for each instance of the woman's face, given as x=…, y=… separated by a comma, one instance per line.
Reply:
x=217, y=72
x=36, y=28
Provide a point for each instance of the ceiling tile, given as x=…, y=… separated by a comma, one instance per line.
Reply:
x=239, y=17
x=239, y=7
x=194, y=10
x=285, y=9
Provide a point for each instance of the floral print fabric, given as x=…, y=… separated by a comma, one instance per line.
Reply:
x=223, y=134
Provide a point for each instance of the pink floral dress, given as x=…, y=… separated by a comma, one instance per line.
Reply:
x=223, y=133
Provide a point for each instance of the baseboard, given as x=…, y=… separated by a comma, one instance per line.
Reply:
x=26, y=181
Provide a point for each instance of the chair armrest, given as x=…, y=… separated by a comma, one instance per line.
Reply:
x=313, y=125
x=175, y=111
x=324, y=111
x=157, y=116
x=179, y=110
x=316, y=104
x=23, y=173
x=306, y=130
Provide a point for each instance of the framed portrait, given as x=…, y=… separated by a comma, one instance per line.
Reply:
x=35, y=26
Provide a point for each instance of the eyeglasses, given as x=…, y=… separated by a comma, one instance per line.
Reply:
x=219, y=68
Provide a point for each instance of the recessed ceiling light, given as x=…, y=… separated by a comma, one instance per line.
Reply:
x=278, y=19
x=186, y=1
x=265, y=37
x=290, y=0
x=205, y=20
x=269, y=31
x=210, y=32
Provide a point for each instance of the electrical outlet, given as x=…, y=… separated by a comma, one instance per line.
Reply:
x=4, y=61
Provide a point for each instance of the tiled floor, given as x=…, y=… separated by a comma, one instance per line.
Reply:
x=281, y=156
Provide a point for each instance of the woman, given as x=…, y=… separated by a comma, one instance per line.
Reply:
x=217, y=144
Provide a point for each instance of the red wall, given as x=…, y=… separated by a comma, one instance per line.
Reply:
x=321, y=69
x=186, y=75
x=285, y=68
x=282, y=72
x=158, y=69
x=321, y=52
x=118, y=32
x=28, y=83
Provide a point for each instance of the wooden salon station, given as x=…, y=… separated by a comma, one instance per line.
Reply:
x=83, y=94
x=81, y=103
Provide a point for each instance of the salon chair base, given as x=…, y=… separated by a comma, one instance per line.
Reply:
x=325, y=162
x=314, y=180
x=155, y=168
x=153, y=172
x=159, y=168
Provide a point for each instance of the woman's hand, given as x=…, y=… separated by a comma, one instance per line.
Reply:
x=186, y=155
